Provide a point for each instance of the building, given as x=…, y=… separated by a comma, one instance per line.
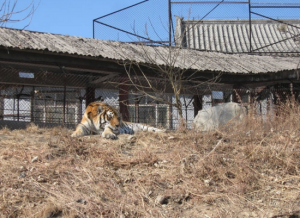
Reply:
x=263, y=37
x=49, y=79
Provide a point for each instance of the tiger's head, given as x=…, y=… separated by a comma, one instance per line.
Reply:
x=103, y=116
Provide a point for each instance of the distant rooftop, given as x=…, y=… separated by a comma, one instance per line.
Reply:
x=233, y=36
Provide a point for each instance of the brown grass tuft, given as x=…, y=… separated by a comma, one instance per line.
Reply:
x=242, y=170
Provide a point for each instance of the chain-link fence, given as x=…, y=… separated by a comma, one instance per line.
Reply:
x=48, y=98
x=47, y=106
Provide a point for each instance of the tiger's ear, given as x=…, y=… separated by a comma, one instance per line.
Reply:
x=99, y=109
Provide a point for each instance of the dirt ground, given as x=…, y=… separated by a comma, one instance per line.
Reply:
x=248, y=170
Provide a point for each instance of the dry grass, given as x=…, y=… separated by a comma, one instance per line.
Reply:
x=248, y=170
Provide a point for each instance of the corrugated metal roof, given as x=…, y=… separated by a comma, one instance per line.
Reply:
x=232, y=36
x=158, y=55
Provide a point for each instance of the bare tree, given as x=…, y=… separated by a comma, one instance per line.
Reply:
x=154, y=71
x=10, y=12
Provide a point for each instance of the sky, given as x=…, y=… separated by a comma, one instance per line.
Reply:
x=69, y=17
x=75, y=17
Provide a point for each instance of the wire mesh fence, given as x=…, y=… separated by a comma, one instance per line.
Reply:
x=48, y=98
x=47, y=106
x=145, y=21
x=223, y=26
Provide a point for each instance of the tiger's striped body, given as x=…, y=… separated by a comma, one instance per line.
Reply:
x=101, y=118
x=131, y=128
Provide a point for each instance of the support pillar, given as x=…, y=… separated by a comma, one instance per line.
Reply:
x=90, y=95
x=1, y=105
x=136, y=104
x=79, y=116
x=197, y=104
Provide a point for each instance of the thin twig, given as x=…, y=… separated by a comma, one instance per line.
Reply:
x=219, y=142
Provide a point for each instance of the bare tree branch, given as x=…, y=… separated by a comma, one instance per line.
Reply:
x=10, y=14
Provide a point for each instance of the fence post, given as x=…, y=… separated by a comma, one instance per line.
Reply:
x=62, y=68
x=18, y=107
x=170, y=113
x=123, y=99
x=236, y=95
x=32, y=105
x=65, y=97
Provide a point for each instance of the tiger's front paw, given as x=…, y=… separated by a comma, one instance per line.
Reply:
x=109, y=135
x=76, y=134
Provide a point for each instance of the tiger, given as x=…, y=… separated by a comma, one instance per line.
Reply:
x=101, y=118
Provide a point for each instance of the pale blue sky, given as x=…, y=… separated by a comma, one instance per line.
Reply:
x=74, y=17
x=71, y=17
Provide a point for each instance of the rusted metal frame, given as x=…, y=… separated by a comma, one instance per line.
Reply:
x=221, y=2
x=124, y=31
x=267, y=52
x=270, y=5
x=218, y=3
x=210, y=2
x=279, y=21
x=93, y=29
x=120, y=10
x=250, y=26
x=235, y=2
x=273, y=6
x=277, y=43
x=170, y=21
x=96, y=20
